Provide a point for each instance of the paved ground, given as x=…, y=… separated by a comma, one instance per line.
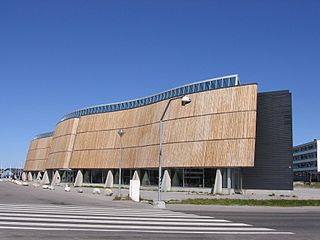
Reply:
x=34, y=213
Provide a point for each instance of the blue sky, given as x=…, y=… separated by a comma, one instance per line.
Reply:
x=57, y=56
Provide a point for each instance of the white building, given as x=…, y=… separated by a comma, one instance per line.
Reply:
x=306, y=164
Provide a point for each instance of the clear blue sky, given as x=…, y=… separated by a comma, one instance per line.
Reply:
x=57, y=56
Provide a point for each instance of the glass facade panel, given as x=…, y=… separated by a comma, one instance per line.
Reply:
x=86, y=176
x=176, y=175
x=96, y=176
x=193, y=177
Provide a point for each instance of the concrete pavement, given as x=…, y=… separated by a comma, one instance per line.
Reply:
x=30, y=206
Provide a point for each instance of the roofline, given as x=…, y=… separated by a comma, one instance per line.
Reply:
x=43, y=135
x=307, y=143
x=76, y=113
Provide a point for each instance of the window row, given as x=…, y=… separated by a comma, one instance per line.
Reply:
x=43, y=135
x=305, y=165
x=305, y=148
x=305, y=156
x=180, y=91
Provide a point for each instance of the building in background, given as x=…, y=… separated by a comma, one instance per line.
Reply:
x=306, y=166
x=227, y=127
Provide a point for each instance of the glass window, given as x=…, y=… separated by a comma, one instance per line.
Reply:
x=232, y=81
x=226, y=82
x=219, y=83
x=96, y=176
x=176, y=175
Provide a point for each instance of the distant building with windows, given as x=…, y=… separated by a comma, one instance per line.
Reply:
x=306, y=164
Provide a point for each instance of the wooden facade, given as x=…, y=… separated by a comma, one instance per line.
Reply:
x=38, y=154
x=62, y=144
x=217, y=129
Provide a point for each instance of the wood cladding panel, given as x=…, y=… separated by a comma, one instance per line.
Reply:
x=62, y=144
x=40, y=143
x=218, y=128
x=58, y=160
x=225, y=100
x=66, y=127
x=241, y=98
x=122, y=119
x=35, y=165
x=235, y=125
x=41, y=153
x=139, y=157
x=218, y=153
x=38, y=154
x=137, y=136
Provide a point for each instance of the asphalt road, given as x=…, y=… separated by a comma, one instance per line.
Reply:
x=27, y=213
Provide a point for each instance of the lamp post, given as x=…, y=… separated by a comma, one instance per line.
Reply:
x=184, y=101
x=121, y=133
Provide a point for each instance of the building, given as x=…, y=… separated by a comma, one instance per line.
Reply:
x=306, y=166
x=227, y=128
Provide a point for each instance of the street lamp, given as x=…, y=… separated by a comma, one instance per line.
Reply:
x=184, y=101
x=121, y=133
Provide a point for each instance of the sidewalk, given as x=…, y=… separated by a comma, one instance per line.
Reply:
x=151, y=194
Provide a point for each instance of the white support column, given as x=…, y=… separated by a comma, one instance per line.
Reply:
x=166, y=182
x=45, y=179
x=39, y=176
x=135, y=176
x=109, y=180
x=24, y=177
x=79, y=179
x=217, y=189
x=29, y=176
x=56, y=178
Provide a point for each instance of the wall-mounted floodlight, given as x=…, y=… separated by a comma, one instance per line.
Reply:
x=185, y=100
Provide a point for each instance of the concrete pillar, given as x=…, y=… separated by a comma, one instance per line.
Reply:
x=24, y=177
x=109, y=180
x=29, y=176
x=175, y=180
x=45, y=179
x=39, y=176
x=145, y=179
x=56, y=178
x=166, y=181
x=79, y=179
x=217, y=189
x=229, y=180
x=135, y=176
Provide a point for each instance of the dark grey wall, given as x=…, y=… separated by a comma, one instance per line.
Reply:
x=273, y=158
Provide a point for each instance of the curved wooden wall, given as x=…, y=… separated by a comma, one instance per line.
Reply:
x=217, y=129
x=62, y=144
x=38, y=154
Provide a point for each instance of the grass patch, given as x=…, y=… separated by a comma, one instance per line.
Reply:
x=249, y=202
x=313, y=185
